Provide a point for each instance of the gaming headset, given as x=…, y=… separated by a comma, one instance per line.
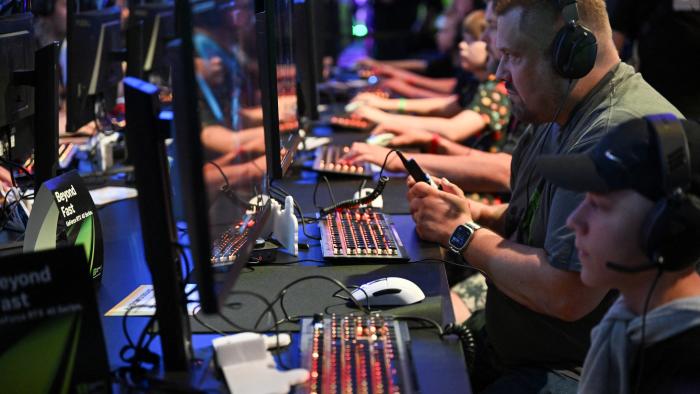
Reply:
x=574, y=48
x=671, y=230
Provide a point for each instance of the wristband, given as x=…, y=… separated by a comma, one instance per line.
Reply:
x=402, y=105
x=434, y=143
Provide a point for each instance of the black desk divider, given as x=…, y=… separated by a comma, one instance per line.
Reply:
x=64, y=214
x=52, y=340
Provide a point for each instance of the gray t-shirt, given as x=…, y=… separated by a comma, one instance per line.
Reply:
x=519, y=335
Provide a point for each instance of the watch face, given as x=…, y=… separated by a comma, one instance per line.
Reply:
x=460, y=236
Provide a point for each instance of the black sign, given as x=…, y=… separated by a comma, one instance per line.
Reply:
x=64, y=215
x=52, y=339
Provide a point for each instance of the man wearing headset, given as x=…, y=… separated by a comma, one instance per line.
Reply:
x=564, y=76
x=637, y=230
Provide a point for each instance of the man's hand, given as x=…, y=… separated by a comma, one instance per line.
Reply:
x=437, y=213
x=256, y=146
x=361, y=152
x=404, y=136
x=371, y=100
x=366, y=62
x=370, y=113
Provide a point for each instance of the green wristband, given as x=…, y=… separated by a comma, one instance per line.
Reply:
x=402, y=105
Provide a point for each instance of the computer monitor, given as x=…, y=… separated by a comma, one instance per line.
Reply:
x=278, y=83
x=29, y=82
x=218, y=174
x=306, y=57
x=158, y=23
x=94, y=60
x=16, y=100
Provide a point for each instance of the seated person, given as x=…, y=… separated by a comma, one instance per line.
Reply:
x=229, y=109
x=534, y=332
x=415, y=86
x=637, y=231
x=473, y=69
x=468, y=168
x=485, y=105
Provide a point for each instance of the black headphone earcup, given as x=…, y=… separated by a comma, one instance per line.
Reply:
x=671, y=231
x=574, y=51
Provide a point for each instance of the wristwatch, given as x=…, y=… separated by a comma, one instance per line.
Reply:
x=461, y=237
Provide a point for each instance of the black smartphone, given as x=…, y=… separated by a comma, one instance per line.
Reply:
x=416, y=172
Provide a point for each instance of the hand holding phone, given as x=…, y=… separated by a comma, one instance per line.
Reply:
x=416, y=172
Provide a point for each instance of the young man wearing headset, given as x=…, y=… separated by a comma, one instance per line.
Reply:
x=637, y=231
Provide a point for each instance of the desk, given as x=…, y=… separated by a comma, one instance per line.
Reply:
x=439, y=364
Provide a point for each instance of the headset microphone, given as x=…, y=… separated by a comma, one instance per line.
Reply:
x=630, y=270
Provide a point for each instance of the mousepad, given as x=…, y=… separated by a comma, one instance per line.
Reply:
x=316, y=295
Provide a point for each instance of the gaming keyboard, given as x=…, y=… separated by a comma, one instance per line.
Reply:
x=356, y=354
x=329, y=160
x=66, y=153
x=226, y=246
x=360, y=233
x=349, y=122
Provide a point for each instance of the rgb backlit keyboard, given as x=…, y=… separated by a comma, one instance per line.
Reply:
x=356, y=354
x=329, y=159
x=360, y=233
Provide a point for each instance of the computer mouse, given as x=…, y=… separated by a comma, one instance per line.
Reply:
x=382, y=139
x=390, y=291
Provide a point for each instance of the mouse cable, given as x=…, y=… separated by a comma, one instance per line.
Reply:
x=336, y=295
x=281, y=294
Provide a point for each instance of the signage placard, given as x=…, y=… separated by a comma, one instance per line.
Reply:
x=52, y=339
x=63, y=215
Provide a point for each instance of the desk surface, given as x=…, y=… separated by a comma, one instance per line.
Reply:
x=439, y=364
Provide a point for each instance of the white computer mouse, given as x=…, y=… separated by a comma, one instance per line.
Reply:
x=382, y=139
x=390, y=291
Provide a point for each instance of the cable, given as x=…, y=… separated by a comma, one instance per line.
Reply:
x=221, y=171
x=299, y=211
x=318, y=182
x=361, y=200
x=17, y=166
x=386, y=159
x=369, y=308
x=524, y=221
x=432, y=322
x=358, y=201
x=195, y=311
x=280, y=295
x=270, y=307
x=640, y=352
x=330, y=189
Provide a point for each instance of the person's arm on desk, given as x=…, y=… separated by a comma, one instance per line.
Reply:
x=220, y=139
x=476, y=171
x=457, y=128
x=521, y=272
x=445, y=106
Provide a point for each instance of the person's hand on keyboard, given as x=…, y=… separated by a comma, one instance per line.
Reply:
x=370, y=99
x=404, y=136
x=361, y=152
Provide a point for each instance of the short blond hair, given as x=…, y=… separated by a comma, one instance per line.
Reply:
x=475, y=23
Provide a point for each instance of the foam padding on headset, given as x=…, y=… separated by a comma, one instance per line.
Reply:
x=574, y=51
x=672, y=231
